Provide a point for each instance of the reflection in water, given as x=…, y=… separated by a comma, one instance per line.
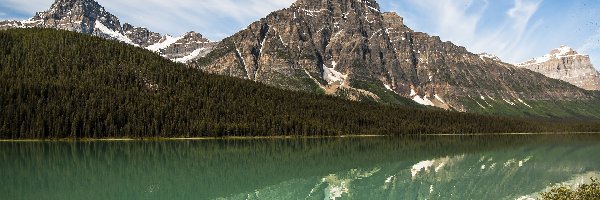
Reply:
x=428, y=167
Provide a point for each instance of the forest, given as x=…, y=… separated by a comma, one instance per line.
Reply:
x=59, y=84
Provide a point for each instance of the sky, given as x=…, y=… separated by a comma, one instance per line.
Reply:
x=514, y=30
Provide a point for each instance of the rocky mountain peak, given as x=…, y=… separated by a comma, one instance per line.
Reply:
x=78, y=15
x=348, y=48
x=64, y=6
x=554, y=54
x=564, y=63
x=89, y=17
x=392, y=19
x=563, y=51
x=197, y=37
x=490, y=56
x=332, y=5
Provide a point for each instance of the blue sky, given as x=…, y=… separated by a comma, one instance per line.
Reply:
x=515, y=30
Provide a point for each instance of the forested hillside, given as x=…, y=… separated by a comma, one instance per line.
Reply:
x=59, y=84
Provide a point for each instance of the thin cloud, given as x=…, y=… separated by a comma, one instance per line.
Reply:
x=454, y=19
x=592, y=46
x=521, y=14
x=464, y=23
x=592, y=43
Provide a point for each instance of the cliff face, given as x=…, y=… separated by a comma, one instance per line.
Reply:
x=89, y=17
x=566, y=64
x=350, y=49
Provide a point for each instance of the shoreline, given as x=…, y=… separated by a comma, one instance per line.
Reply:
x=186, y=139
x=275, y=137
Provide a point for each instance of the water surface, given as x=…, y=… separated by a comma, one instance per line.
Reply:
x=427, y=167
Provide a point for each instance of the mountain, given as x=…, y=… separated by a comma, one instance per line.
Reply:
x=94, y=88
x=490, y=56
x=351, y=49
x=566, y=64
x=89, y=17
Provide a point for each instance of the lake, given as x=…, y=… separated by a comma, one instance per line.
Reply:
x=423, y=167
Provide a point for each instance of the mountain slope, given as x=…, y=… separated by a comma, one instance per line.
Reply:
x=89, y=17
x=350, y=49
x=91, y=87
x=566, y=64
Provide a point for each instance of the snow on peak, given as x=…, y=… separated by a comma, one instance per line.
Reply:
x=490, y=56
x=561, y=52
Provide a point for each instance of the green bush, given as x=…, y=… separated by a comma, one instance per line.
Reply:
x=584, y=192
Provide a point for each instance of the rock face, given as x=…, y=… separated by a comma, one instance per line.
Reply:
x=191, y=43
x=89, y=17
x=566, y=64
x=351, y=49
x=490, y=56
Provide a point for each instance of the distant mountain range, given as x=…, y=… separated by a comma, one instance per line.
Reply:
x=89, y=17
x=346, y=48
x=566, y=64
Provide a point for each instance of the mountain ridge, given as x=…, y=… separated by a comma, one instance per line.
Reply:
x=89, y=17
x=353, y=50
x=346, y=48
x=564, y=63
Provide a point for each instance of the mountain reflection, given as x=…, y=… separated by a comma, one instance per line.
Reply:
x=427, y=167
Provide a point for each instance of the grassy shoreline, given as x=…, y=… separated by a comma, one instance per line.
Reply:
x=271, y=137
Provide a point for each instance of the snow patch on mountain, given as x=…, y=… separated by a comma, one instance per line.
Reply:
x=563, y=51
x=116, y=35
x=483, y=56
x=420, y=100
x=191, y=56
x=168, y=41
x=332, y=76
x=423, y=100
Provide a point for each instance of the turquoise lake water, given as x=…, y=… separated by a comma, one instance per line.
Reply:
x=426, y=167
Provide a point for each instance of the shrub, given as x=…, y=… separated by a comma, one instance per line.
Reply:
x=584, y=192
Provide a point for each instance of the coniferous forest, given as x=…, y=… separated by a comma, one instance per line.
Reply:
x=59, y=84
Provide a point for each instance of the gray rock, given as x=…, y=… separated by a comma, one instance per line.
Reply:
x=141, y=36
x=566, y=64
